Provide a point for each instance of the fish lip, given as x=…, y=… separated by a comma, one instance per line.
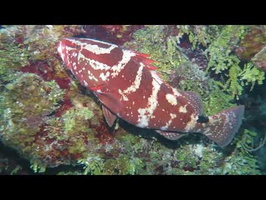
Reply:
x=57, y=46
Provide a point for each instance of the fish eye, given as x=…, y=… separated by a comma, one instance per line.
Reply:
x=78, y=47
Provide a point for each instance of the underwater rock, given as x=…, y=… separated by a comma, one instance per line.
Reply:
x=48, y=72
x=252, y=43
x=260, y=59
x=26, y=103
x=11, y=163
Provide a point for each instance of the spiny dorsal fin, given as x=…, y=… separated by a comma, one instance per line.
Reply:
x=109, y=117
x=144, y=58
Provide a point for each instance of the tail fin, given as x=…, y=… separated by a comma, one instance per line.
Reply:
x=222, y=127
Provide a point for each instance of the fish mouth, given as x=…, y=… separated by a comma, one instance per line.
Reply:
x=68, y=42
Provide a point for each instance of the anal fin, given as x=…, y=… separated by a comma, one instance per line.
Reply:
x=170, y=135
x=109, y=117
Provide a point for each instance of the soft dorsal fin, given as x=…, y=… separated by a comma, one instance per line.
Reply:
x=109, y=117
x=195, y=100
x=170, y=135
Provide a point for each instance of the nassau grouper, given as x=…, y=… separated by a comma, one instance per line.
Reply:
x=129, y=87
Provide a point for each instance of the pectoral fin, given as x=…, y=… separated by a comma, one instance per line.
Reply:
x=110, y=101
x=109, y=117
x=170, y=135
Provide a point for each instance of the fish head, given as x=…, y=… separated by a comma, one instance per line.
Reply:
x=67, y=50
x=91, y=61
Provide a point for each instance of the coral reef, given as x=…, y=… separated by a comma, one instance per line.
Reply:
x=57, y=125
x=26, y=104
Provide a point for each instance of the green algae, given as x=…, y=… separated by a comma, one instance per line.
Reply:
x=76, y=120
x=12, y=57
x=241, y=161
x=222, y=61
